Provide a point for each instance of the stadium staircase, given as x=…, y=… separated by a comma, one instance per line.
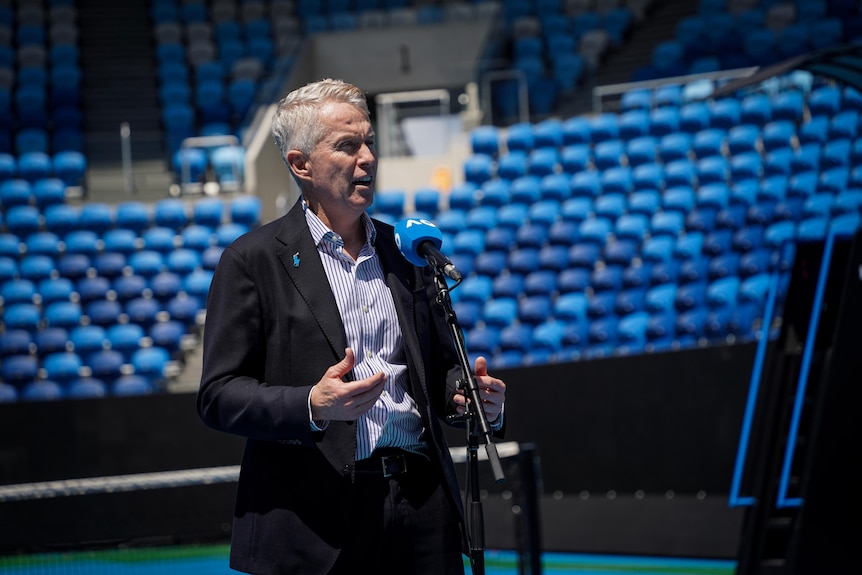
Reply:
x=120, y=85
x=620, y=63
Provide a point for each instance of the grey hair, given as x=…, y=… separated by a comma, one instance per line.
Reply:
x=295, y=124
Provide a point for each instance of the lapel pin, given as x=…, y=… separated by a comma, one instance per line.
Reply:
x=296, y=260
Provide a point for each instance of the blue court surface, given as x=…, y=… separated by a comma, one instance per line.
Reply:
x=212, y=560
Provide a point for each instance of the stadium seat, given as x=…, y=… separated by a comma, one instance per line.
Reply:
x=245, y=210
x=110, y=264
x=132, y=385
x=16, y=342
x=8, y=393
x=23, y=220
x=573, y=280
x=63, y=367
x=36, y=267
x=48, y=192
x=42, y=390
x=86, y=387
x=125, y=338
x=168, y=335
x=56, y=289
x=106, y=365
x=228, y=164
x=18, y=291
x=70, y=166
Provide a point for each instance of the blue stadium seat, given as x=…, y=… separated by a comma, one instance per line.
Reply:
x=245, y=210
x=485, y=140
x=573, y=280
x=575, y=158
x=106, y=365
x=23, y=220
x=634, y=123
x=8, y=393
x=56, y=289
x=637, y=274
x=690, y=296
x=73, y=266
x=208, y=212
x=133, y=215
x=660, y=297
x=500, y=312
x=36, y=267
x=110, y=264
x=533, y=310
x=507, y=285
x=185, y=308
x=478, y=168
x=82, y=241
x=63, y=367
x=103, y=312
x=70, y=166
x=743, y=138
x=586, y=184
x=125, y=338
x=211, y=256
x=475, y=288
x=584, y=254
x=132, y=385
x=97, y=217
x=600, y=304
x=427, y=200
x=479, y=218
x=88, y=338
x=48, y=192
x=144, y=311
x=34, y=165
x=42, y=390
x=86, y=387
x=608, y=154
x=16, y=342
x=512, y=165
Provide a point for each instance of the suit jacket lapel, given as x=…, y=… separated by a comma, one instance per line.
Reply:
x=302, y=263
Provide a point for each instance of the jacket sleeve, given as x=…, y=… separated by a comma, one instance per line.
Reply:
x=234, y=395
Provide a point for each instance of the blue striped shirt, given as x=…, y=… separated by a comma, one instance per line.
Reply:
x=373, y=332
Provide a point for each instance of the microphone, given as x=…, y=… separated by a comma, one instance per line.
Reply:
x=420, y=240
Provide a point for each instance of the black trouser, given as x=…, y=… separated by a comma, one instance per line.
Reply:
x=402, y=524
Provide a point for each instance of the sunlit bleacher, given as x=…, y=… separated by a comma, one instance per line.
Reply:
x=661, y=225
x=658, y=227
x=728, y=34
x=108, y=299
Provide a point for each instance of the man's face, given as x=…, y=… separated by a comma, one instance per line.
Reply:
x=343, y=166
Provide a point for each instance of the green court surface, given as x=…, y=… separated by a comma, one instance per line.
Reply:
x=213, y=559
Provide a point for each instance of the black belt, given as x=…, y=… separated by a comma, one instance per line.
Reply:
x=391, y=464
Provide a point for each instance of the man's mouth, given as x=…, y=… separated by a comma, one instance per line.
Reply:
x=364, y=181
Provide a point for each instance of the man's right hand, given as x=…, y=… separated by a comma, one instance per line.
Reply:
x=333, y=399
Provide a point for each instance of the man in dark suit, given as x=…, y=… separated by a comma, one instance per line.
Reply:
x=326, y=349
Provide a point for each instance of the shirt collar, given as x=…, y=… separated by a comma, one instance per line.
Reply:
x=321, y=233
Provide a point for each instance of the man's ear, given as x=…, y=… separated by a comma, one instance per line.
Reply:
x=298, y=164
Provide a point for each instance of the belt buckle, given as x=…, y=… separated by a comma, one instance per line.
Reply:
x=393, y=465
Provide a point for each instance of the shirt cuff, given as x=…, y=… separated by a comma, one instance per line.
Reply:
x=315, y=425
x=497, y=424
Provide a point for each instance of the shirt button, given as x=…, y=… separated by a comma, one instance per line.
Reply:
x=365, y=308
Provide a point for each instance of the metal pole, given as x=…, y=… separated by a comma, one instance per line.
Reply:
x=126, y=150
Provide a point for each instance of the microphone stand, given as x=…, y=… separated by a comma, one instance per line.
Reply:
x=476, y=424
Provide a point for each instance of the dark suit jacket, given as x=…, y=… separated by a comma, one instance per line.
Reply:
x=271, y=332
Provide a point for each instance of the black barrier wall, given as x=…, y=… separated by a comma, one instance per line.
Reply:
x=629, y=433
